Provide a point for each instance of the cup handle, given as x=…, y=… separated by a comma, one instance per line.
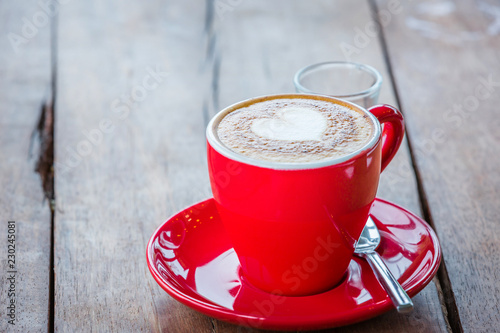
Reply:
x=393, y=130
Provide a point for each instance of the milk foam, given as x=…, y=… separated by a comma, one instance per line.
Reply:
x=293, y=123
x=295, y=130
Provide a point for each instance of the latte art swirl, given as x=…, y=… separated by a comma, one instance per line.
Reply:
x=295, y=130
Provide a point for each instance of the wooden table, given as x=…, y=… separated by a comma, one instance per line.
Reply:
x=103, y=107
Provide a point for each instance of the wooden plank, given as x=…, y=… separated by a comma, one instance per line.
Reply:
x=258, y=48
x=130, y=152
x=24, y=88
x=446, y=65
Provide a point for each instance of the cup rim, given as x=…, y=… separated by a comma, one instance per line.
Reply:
x=367, y=68
x=215, y=143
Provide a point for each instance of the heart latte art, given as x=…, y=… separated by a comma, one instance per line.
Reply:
x=295, y=130
x=293, y=123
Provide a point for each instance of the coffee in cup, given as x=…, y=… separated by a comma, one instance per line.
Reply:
x=295, y=130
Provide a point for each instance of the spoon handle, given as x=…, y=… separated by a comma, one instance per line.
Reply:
x=397, y=294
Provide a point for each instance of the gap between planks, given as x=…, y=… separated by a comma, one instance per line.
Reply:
x=45, y=163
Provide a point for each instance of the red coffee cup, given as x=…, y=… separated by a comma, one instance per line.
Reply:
x=294, y=225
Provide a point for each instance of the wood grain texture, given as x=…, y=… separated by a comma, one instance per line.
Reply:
x=446, y=64
x=130, y=152
x=258, y=47
x=24, y=89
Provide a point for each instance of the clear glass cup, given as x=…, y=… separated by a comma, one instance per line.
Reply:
x=350, y=81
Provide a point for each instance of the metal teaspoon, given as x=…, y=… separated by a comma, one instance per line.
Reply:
x=365, y=248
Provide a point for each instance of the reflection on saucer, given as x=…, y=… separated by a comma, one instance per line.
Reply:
x=219, y=287
x=357, y=291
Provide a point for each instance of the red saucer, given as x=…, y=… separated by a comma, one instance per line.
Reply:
x=192, y=259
